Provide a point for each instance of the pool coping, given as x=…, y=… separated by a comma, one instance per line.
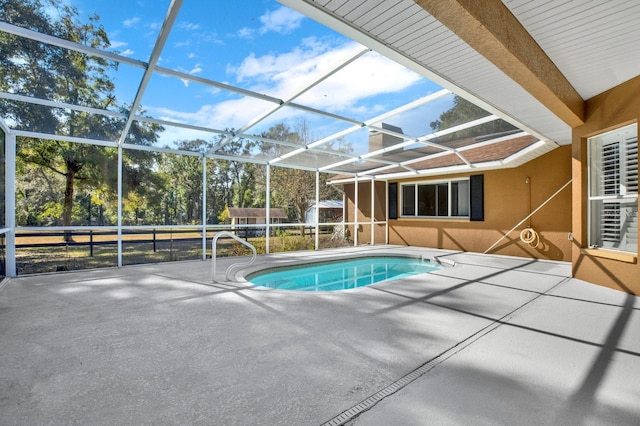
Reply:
x=311, y=257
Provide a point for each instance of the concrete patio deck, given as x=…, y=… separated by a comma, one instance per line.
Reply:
x=492, y=340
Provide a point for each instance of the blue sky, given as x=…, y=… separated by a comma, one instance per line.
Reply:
x=259, y=45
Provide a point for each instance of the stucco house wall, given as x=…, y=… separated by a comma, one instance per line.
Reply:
x=612, y=109
x=506, y=202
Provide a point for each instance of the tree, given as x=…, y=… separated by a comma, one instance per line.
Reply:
x=464, y=111
x=72, y=162
x=294, y=188
x=24, y=65
x=233, y=183
x=184, y=176
x=48, y=72
x=36, y=198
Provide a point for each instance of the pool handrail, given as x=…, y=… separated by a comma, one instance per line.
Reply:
x=214, y=242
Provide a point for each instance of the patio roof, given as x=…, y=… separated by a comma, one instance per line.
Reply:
x=533, y=75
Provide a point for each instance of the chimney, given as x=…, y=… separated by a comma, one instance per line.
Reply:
x=379, y=140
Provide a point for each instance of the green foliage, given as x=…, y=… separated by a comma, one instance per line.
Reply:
x=464, y=111
x=64, y=183
x=286, y=242
x=225, y=216
x=50, y=212
x=49, y=72
x=260, y=244
x=183, y=174
x=295, y=189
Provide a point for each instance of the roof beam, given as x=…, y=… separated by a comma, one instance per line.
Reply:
x=368, y=124
x=360, y=52
x=422, y=140
x=56, y=104
x=169, y=20
x=66, y=44
x=490, y=28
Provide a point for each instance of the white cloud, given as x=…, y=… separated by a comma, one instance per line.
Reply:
x=267, y=67
x=369, y=76
x=213, y=90
x=189, y=26
x=211, y=38
x=228, y=114
x=129, y=23
x=180, y=44
x=283, y=75
x=116, y=44
x=282, y=20
x=348, y=92
x=191, y=55
x=195, y=70
x=172, y=134
x=246, y=33
x=127, y=52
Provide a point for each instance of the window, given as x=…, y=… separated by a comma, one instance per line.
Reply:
x=436, y=199
x=613, y=190
x=408, y=200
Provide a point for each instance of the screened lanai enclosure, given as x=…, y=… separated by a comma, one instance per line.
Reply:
x=130, y=129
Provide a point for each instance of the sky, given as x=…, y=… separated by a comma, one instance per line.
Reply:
x=258, y=45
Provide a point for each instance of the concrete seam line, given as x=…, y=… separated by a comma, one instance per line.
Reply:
x=367, y=404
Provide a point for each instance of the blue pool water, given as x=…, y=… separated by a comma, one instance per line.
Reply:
x=341, y=275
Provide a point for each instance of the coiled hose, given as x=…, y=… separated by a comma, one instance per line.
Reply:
x=530, y=236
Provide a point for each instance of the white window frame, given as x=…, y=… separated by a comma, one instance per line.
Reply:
x=449, y=182
x=613, y=190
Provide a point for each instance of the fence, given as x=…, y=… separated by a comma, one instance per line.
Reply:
x=39, y=251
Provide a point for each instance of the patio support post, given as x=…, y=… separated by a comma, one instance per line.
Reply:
x=386, y=213
x=204, y=207
x=373, y=199
x=355, y=214
x=120, y=153
x=10, y=203
x=267, y=198
x=317, y=221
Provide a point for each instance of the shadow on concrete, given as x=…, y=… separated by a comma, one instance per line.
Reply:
x=458, y=394
x=435, y=294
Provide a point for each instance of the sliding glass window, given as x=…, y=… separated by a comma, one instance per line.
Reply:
x=436, y=199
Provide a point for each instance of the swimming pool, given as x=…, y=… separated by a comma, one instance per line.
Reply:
x=341, y=275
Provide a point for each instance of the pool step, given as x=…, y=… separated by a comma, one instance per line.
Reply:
x=438, y=260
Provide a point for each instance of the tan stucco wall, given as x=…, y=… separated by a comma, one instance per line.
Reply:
x=615, y=108
x=506, y=200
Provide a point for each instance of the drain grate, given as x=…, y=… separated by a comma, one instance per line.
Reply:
x=394, y=387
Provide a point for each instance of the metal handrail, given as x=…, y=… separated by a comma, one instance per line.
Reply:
x=213, y=254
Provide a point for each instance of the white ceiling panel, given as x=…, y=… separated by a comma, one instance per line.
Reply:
x=381, y=6
x=376, y=17
x=595, y=44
